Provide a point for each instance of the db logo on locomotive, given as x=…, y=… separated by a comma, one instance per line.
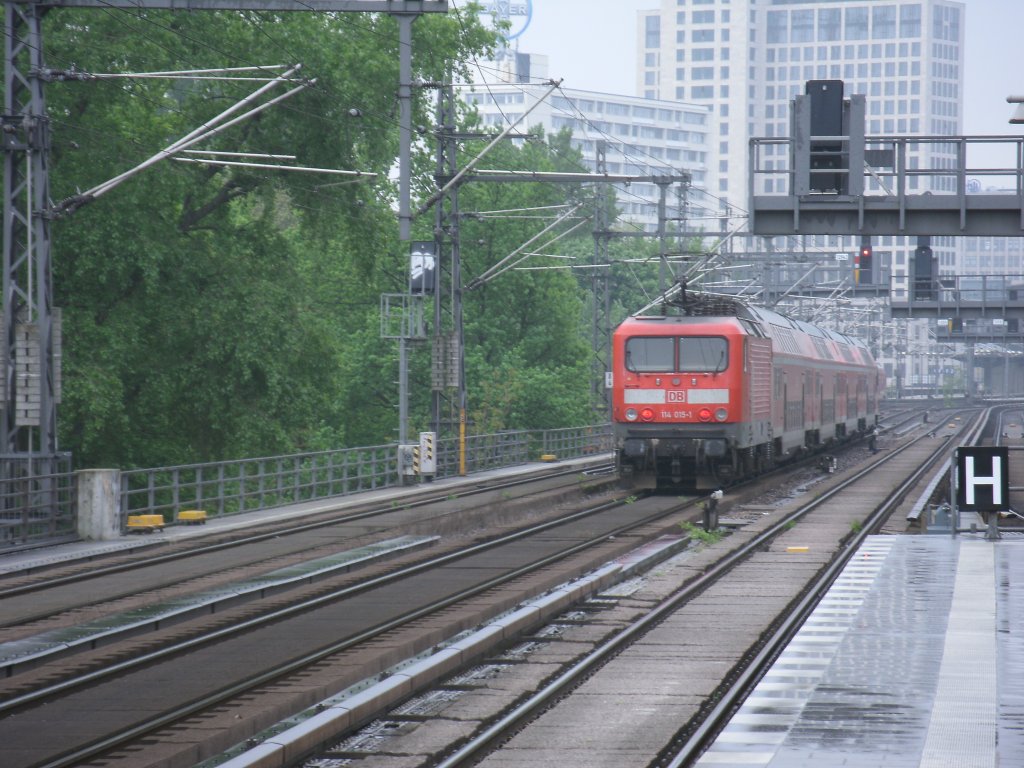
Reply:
x=676, y=395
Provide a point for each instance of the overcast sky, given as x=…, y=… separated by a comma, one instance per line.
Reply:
x=591, y=45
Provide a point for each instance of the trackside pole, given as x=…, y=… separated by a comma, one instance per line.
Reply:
x=462, y=442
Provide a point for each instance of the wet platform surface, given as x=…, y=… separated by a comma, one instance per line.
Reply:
x=914, y=658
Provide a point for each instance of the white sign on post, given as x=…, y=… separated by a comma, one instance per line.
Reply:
x=982, y=479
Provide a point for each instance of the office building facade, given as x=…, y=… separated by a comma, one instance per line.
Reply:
x=637, y=136
x=747, y=60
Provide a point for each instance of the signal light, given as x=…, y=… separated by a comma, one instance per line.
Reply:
x=864, y=264
x=647, y=414
x=705, y=414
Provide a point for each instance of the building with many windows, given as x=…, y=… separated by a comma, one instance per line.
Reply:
x=747, y=59
x=638, y=136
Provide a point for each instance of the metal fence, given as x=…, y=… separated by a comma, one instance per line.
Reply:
x=231, y=487
x=37, y=499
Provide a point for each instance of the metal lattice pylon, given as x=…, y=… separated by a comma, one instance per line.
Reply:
x=28, y=423
x=447, y=367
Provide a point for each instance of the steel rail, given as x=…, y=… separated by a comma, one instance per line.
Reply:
x=705, y=733
x=100, y=746
x=473, y=749
x=276, y=533
x=63, y=687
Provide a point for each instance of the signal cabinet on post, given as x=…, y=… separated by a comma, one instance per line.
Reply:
x=925, y=272
x=826, y=97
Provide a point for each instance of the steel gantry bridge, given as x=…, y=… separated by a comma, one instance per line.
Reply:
x=829, y=178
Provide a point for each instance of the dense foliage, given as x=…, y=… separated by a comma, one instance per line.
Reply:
x=215, y=312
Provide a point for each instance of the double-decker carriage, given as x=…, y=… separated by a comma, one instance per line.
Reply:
x=727, y=390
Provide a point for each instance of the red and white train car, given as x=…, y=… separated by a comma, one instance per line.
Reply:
x=730, y=390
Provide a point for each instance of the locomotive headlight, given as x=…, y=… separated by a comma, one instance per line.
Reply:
x=647, y=414
x=705, y=414
x=631, y=414
x=721, y=414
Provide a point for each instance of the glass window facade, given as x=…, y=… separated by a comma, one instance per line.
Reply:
x=830, y=23
x=778, y=27
x=801, y=26
x=856, y=23
x=904, y=56
x=910, y=21
x=883, y=22
x=652, y=31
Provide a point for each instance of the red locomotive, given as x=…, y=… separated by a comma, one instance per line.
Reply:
x=728, y=390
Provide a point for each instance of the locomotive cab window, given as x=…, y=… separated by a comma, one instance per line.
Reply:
x=650, y=354
x=696, y=354
x=699, y=354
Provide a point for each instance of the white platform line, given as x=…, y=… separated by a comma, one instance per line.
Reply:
x=962, y=729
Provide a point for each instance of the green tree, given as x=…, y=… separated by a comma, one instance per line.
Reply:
x=214, y=312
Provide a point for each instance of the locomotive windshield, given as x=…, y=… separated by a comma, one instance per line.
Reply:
x=696, y=354
x=650, y=354
x=702, y=353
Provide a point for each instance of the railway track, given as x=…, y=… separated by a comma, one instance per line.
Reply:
x=150, y=590
x=325, y=513
x=178, y=678
x=683, y=649
x=237, y=670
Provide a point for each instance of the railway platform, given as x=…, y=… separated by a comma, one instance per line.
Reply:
x=66, y=552
x=914, y=659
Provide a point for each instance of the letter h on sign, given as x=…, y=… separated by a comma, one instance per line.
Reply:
x=982, y=479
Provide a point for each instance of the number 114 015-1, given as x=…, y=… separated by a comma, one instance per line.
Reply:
x=677, y=414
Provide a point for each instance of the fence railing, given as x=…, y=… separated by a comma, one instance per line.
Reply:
x=232, y=487
x=37, y=499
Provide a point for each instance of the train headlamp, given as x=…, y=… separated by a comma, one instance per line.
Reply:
x=705, y=414
x=631, y=414
x=647, y=414
x=721, y=414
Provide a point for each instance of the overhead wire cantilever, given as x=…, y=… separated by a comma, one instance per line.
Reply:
x=205, y=131
x=504, y=264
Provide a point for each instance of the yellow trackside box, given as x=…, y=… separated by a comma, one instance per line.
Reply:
x=145, y=523
x=192, y=517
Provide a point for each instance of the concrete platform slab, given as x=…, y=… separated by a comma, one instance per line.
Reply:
x=593, y=731
x=518, y=758
x=914, y=659
x=427, y=741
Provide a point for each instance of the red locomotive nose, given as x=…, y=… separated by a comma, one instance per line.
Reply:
x=647, y=414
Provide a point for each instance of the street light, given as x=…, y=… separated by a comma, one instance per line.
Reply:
x=1018, y=115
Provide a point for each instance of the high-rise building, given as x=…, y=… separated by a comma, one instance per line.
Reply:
x=748, y=59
